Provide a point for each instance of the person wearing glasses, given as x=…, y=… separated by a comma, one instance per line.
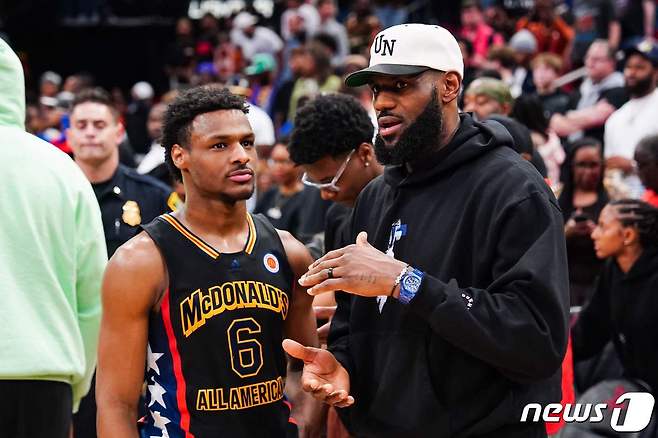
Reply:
x=582, y=198
x=332, y=143
x=291, y=205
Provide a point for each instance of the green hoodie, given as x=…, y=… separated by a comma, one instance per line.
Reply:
x=52, y=252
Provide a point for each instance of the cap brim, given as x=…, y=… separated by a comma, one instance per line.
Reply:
x=362, y=77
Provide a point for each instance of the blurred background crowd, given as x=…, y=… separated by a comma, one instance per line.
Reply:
x=563, y=70
x=574, y=81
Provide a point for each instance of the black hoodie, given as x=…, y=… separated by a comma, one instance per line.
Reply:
x=623, y=310
x=487, y=331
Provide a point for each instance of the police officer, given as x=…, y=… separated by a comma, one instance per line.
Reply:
x=126, y=198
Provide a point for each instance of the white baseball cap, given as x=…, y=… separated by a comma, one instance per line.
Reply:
x=142, y=91
x=244, y=20
x=408, y=49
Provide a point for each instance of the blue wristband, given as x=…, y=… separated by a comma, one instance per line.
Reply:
x=410, y=284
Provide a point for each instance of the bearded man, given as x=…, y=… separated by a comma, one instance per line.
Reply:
x=458, y=277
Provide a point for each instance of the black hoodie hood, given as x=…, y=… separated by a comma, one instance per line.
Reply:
x=471, y=140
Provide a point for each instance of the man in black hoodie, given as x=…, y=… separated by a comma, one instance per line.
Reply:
x=458, y=275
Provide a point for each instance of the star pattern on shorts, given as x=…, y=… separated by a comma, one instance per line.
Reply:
x=161, y=423
x=152, y=359
x=157, y=392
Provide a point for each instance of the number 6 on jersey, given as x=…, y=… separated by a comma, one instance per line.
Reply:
x=246, y=352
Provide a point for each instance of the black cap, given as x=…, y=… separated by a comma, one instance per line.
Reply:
x=645, y=48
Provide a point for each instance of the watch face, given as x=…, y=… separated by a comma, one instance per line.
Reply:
x=411, y=283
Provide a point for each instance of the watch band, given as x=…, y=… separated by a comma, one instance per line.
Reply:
x=410, y=284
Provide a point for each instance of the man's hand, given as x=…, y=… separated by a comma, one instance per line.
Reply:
x=322, y=376
x=359, y=269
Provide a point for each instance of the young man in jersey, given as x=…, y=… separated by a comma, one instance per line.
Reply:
x=202, y=297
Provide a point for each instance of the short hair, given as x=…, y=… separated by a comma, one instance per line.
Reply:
x=95, y=95
x=550, y=60
x=184, y=109
x=609, y=50
x=529, y=110
x=331, y=124
x=650, y=145
x=321, y=56
x=327, y=40
x=503, y=54
x=489, y=73
x=322, y=2
x=585, y=142
x=471, y=4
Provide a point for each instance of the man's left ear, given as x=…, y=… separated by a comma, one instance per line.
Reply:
x=452, y=86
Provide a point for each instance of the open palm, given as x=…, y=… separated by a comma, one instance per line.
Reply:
x=322, y=376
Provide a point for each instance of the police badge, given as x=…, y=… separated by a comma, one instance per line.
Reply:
x=131, y=214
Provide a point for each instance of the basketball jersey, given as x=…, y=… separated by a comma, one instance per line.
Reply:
x=215, y=365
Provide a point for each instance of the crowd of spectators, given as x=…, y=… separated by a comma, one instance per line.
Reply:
x=577, y=82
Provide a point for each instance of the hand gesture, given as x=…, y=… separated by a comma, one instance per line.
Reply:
x=322, y=376
x=359, y=269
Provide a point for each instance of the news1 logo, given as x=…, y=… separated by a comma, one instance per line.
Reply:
x=638, y=412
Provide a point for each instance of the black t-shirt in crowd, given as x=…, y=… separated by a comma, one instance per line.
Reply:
x=584, y=266
x=281, y=101
x=591, y=20
x=556, y=102
x=631, y=18
x=616, y=97
x=302, y=214
x=336, y=228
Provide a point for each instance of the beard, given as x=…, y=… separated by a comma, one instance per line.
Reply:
x=418, y=140
x=642, y=87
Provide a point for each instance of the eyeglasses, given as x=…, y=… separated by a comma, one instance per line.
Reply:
x=332, y=184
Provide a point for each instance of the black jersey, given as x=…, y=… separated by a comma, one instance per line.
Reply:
x=215, y=365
